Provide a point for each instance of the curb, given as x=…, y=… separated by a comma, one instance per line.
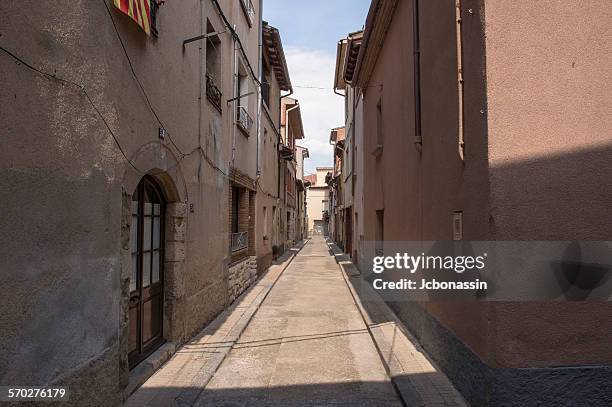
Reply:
x=244, y=321
x=414, y=376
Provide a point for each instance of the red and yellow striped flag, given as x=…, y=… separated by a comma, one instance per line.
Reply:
x=138, y=10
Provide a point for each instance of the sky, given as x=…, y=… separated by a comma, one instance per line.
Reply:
x=310, y=31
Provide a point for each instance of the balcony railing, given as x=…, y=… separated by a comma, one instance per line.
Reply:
x=239, y=241
x=244, y=121
x=213, y=93
x=249, y=11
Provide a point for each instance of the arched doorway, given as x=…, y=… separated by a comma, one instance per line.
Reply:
x=146, y=280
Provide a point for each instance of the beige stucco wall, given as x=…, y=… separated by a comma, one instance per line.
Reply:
x=550, y=147
x=321, y=173
x=317, y=201
x=537, y=153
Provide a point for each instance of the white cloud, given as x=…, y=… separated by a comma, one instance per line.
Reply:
x=321, y=109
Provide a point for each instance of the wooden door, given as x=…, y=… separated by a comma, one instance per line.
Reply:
x=146, y=282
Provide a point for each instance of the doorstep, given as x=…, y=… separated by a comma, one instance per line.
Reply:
x=145, y=369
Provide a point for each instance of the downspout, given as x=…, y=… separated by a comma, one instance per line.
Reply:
x=201, y=69
x=416, y=36
x=236, y=103
x=460, y=141
x=418, y=138
x=259, y=95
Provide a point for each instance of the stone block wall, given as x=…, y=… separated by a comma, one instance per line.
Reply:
x=240, y=277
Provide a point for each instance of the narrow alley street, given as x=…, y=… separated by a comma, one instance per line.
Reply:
x=235, y=203
x=301, y=336
x=306, y=344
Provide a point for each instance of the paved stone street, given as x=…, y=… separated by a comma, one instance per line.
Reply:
x=301, y=337
x=306, y=345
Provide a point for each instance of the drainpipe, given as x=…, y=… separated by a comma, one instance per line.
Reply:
x=259, y=95
x=236, y=103
x=416, y=35
x=460, y=141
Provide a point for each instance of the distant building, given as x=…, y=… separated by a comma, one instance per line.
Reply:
x=301, y=153
x=317, y=201
x=335, y=180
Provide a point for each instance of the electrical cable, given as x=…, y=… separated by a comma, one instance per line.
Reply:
x=82, y=89
x=150, y=106
x=144, y=93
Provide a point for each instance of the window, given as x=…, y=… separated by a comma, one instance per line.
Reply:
x=213, y=67
x=379, y=130
x=243, y=87
x=265, y=86
x=243, y=119
x=154, y=7
x=249, y=11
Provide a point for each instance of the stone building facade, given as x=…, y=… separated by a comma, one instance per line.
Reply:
x=131, y=167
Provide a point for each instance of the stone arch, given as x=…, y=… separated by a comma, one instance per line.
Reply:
x=158, y=161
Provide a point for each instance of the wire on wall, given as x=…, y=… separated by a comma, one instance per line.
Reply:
x=82, y=89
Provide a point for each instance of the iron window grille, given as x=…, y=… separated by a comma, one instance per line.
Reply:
x=244, y=120
x=213, y=94
x=239, y=241
x=154, y=7
x=249, y=11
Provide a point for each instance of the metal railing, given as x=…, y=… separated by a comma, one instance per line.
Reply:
x=213, y=93
x=239, y=241
x=249, y=10
x=245, y=122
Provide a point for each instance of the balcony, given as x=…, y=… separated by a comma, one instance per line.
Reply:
x=239, y=241
x=249, y=11
x=244, y=121
x=286, y=152
x=213, y=94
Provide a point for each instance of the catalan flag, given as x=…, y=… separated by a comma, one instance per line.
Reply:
x=138, y=10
